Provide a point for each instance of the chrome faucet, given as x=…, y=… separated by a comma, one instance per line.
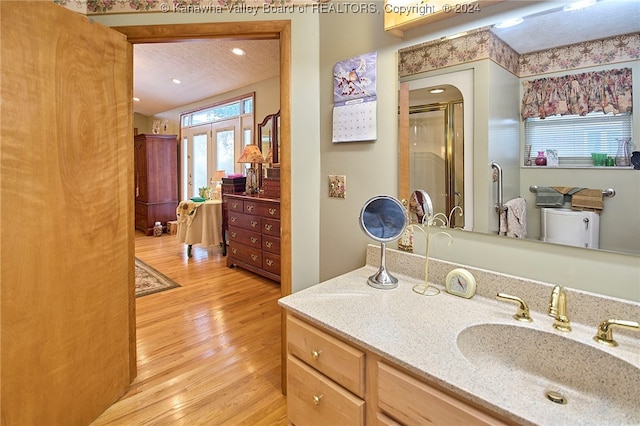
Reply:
x=558, y=309
x=605, y=330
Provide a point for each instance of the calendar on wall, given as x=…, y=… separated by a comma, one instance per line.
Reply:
x=355, y=100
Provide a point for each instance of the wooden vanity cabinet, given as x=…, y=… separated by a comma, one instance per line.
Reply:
x=332, y=381
x=253, y=233
x=325, y=378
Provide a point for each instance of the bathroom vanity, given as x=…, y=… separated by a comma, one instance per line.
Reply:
x=361, y=355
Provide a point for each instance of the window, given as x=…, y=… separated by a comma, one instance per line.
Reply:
x=218, y=112
x=576, y=137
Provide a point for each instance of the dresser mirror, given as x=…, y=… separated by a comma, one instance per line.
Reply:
x=267, y=135
x=383, y=219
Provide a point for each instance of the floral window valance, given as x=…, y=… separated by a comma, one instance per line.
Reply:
x=598, y=91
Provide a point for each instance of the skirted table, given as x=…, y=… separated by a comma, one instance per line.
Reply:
x=199, y=223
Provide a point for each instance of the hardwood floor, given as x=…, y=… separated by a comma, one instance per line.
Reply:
x=209, y=351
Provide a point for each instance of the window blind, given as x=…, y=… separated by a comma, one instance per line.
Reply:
x=576, y=137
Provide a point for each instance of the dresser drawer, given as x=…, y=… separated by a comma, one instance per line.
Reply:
x=245, y=221
x=313, y=399
x=246, y=254
x=250, y=238
x=411, y=401
x=332, y=357
x=271, y=227
x=271, y=262
x=235, y=205
x=271, y=244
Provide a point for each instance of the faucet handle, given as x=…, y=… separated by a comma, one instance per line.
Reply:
x=523, y=309
x=605, y=332
x=558, y=309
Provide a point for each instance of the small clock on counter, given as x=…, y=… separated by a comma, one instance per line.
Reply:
x=460, y=282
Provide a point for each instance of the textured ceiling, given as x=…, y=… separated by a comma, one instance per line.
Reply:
x=557, y=28
x=208, y=68
x=205, y=69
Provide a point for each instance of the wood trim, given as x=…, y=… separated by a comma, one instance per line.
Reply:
x=263, y=30
x=404, y=165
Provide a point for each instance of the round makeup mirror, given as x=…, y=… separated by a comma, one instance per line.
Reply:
x=384, y=219
x=420, y=206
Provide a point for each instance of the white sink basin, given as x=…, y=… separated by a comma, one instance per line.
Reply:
x=597, y=387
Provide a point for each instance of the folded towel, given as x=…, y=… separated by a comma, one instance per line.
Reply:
x=588, y=199
x=549, y=197
x=513, y=222
x=566, y=190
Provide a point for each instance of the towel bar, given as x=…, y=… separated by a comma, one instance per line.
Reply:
x=609, y=192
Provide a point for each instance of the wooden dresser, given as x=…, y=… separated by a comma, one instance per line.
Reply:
x=155, y=180
x=254, y=233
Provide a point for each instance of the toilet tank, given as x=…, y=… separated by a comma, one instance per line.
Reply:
x=570, y=227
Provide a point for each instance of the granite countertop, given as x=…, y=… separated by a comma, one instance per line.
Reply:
x=420, y=333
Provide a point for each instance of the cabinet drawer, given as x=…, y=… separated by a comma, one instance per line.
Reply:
x=252, y=239
x=313, y=399
x=142, y=209
x=235, y=205
x=271, y=227
x=246, y=254
x=332, y=357
x=270, y=210
x=271, y=244
x=271, y=262
x=411, y=401
x=245, y=221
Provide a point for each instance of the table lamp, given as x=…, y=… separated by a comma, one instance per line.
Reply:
x=217, y=178
x=251, y=154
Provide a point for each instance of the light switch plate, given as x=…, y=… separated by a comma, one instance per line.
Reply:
x=337, y=186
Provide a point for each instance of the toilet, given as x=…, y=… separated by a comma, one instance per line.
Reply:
x=570, y=227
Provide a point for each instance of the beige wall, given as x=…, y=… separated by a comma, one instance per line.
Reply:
x=326, y=238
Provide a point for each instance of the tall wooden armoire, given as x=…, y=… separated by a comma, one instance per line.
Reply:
x=155, y=180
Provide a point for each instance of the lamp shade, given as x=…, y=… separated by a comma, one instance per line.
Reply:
x=219, y=174
x=251, y=154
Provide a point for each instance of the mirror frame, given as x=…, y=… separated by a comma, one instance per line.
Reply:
x=270, y=122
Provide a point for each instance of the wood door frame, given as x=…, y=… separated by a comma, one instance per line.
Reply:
x=259, y=30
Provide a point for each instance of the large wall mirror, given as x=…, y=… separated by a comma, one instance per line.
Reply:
x=620, y=220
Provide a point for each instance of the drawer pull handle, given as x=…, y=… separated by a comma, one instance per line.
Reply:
x=254, y=224
x=253, y=240
x=233, y=234
x=254, y=257
x=315, y=354
x=272, y=211
x=268, y=227
x=269, y=262
x=233, y=219
x=234, y=250
x=269, y=244
x=250, y=208
x=316, y=399
x=234, y=205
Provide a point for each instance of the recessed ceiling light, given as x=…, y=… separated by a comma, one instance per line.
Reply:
x=238, y=51
x=582, y=4
x=436, y=91
x=136, y=99
x=509, y=23
x=175, y=80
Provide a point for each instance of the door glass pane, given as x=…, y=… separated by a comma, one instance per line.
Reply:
x=199, y=163
x=184, y=156
x=427, y=149
x=224, y=150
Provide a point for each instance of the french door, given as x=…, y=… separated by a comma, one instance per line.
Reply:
x=205, y=149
